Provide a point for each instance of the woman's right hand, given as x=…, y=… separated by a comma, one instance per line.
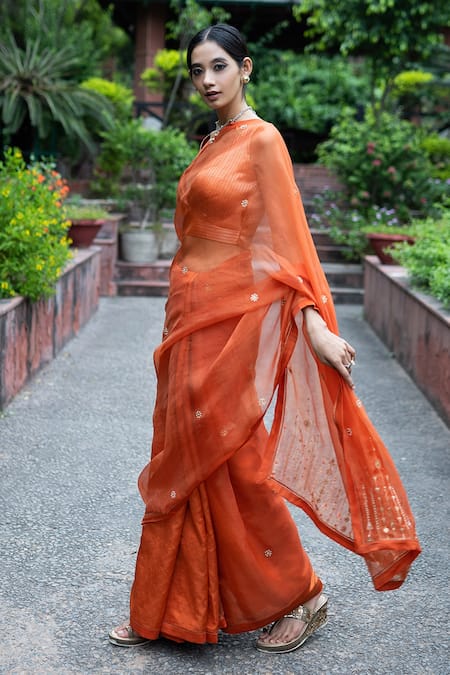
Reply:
x=329, y=348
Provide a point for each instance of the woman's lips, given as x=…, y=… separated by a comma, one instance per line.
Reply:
x=212, y=95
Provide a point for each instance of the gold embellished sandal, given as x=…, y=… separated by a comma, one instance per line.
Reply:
x=313, y=620
x=132, y=639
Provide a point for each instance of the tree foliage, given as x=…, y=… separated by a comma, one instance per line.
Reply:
x=315, y=89
x=58, y=24
x=190, y=18
x=38, y=89
x=391, y=34
x=389, y=31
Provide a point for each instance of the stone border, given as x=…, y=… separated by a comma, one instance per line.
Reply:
x=32, y=333
x=414, y=326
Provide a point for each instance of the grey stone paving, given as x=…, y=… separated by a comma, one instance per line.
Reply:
x=71, y=447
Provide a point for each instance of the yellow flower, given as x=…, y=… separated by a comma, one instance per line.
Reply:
x=4, y=285
x=20, y=216
x=39, y=267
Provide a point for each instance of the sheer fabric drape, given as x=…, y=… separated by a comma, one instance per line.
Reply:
x=233, y=345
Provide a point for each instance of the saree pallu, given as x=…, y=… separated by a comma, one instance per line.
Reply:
x=219, y=549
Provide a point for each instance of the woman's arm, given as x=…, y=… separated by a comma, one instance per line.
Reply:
x=329, y=348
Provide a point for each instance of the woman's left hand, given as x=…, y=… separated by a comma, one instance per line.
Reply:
x=329, y=348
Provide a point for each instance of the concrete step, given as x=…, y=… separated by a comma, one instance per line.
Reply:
x=345, y=275
x=327, y=249
x=331, y=253
x=347, y=296
x=321, y=237
x=155, y=287
x=155, y=271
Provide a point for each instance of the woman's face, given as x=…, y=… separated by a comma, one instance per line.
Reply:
x=218, y=78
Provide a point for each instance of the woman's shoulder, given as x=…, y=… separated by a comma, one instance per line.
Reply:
x=266, y=142
x=265, y=133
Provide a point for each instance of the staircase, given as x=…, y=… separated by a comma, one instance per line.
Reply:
x=142, y=278
x=345, y=279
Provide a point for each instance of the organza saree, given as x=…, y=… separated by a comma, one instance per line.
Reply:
x=246, y=415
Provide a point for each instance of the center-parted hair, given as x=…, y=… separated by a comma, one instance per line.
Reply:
x=227, y=37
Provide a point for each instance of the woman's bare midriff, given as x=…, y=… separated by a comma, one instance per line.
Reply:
x=202, y=255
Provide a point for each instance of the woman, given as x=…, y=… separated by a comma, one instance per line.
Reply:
x=250, y=322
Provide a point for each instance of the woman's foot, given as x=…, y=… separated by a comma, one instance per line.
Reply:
x=124, y=636
x=291, y=631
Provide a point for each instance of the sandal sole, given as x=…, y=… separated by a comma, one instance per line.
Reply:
x=127, y=642
x=319, y=619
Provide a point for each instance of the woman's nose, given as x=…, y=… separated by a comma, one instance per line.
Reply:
x=208, y=78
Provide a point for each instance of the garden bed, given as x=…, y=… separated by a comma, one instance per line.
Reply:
x=414, y=326
x=32, y=333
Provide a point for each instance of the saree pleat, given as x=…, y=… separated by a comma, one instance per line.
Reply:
x=245, y=416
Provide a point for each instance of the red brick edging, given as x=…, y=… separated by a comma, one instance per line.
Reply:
x=32, y=333
x=414, y=326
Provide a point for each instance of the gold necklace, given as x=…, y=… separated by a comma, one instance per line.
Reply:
x=211, y=137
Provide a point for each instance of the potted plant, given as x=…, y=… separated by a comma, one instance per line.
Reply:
x=142, y=167
x=85, y=223
x=384, y=231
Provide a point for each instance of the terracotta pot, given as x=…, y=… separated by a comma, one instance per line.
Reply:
x=83, y=231
x=380, y=241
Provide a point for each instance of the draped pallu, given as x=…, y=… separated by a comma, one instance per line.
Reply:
x=246, y=415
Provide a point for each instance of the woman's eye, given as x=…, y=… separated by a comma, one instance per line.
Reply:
x=219, y=66
x=196, y=72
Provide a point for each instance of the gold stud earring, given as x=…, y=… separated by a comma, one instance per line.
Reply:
x=246, y=79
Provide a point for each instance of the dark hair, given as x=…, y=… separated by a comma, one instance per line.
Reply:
x=227, y=37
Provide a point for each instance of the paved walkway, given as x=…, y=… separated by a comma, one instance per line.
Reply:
x=71, y=447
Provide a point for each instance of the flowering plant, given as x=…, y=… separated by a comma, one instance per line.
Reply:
x=349, y=226
x=381, y=161
x=33, y=228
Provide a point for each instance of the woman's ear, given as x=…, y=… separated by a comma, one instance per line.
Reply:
x=246, y=69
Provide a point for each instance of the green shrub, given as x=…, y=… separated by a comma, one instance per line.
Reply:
x=141, y=164
x=380, y=161
x=428, y=261
x=161, y=77
x=120, y=97
x=438, y=150
x=411, y=81
x=305, y=92
x=424, y=95
x=74, y=211
x=33, y=230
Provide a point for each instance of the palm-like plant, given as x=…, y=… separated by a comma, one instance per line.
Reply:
x=38, y=87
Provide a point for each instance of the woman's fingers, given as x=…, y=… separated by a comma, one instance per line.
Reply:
x=329, y=347
x=336, y=352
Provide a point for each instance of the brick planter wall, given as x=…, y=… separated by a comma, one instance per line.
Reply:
x=414, y=326
x=32, y=333
x=107, y=240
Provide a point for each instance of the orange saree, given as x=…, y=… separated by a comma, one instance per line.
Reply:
x=246, y=415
